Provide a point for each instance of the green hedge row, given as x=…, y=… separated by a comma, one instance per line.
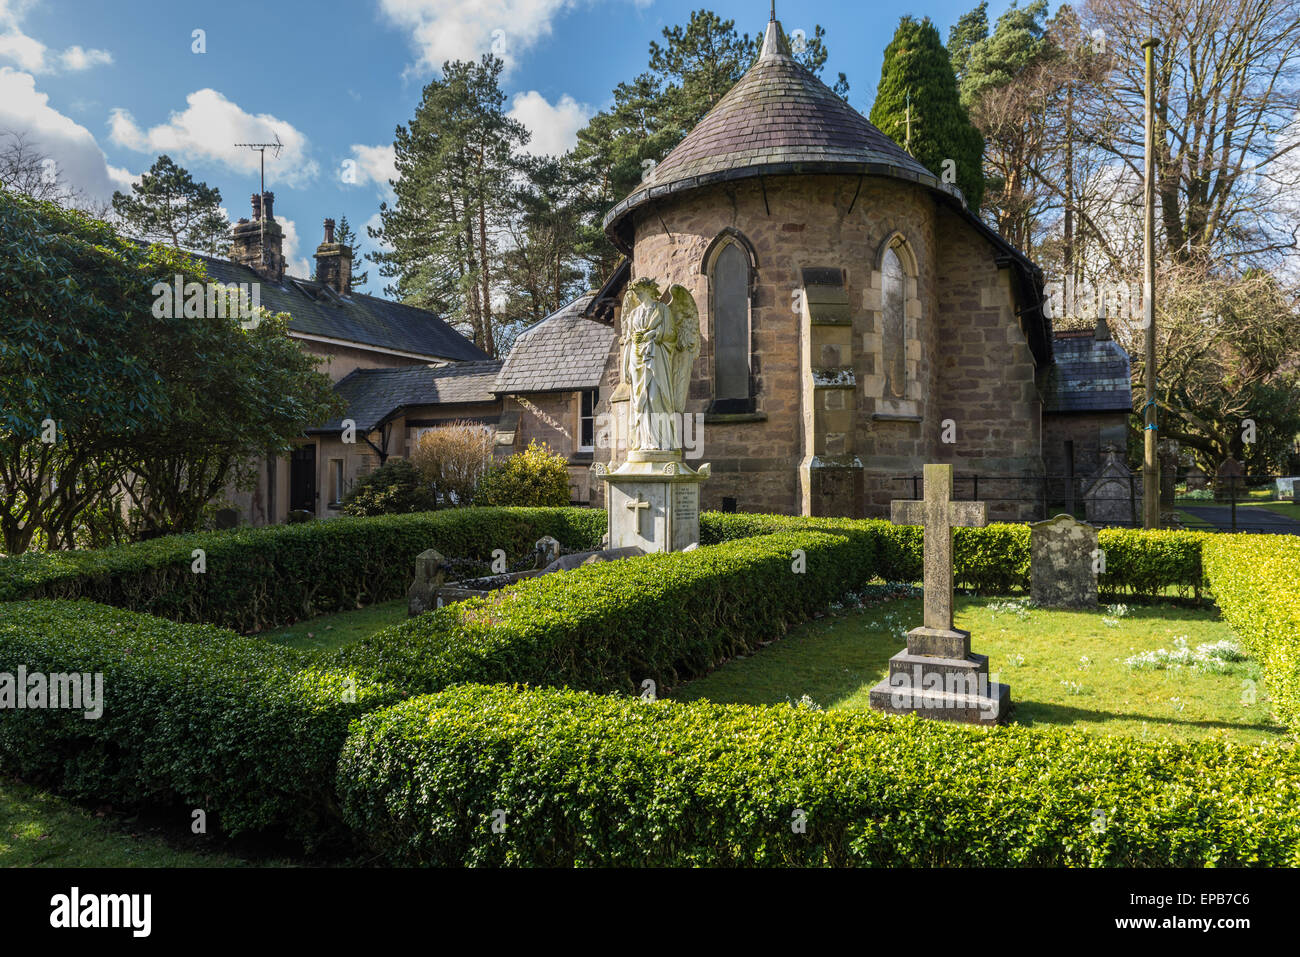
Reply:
x=995, y=559
x=266, y=577
x=1256, y=581
x=570, y=778
x=610, y=626
x=194, y=717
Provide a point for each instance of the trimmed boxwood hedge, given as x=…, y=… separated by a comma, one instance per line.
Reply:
x=589, y=780
x=995, y=558
x=260, y=578
x=194, y=716
x=610, y=626
x=1256, y=582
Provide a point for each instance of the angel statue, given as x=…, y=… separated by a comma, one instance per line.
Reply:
x=659, y=345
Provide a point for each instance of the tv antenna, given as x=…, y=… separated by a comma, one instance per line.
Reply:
x=261, y=149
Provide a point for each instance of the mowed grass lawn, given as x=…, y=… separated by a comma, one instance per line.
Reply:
x=327, y=632
x=1064, y=668
x=38, y=829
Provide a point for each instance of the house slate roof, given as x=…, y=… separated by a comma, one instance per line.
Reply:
x=1087, y=375
x=316, y=310
x=376, y=395
x=564, y=351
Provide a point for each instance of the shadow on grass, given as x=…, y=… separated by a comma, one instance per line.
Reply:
x=1031, y=713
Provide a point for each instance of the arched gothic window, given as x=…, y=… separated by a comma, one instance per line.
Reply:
x=729, y=262
x=893, y=300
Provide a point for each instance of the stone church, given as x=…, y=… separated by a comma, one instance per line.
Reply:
x=858, y=321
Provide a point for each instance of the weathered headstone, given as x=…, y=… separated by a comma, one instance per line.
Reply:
x=1114, y=495
x=937, y=676
x=1197, y=479
x=1228, y=481
x=430, y=572
x=1062, y=569
x=546, y=551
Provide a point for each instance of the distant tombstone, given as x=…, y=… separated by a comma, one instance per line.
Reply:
x=1197, y=479
x=1112, y=494
x=1061, y=563
x=1228, y=480
x=546, y=550
x=430, y=571
x=226, y=518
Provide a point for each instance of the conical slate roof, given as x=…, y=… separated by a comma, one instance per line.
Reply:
x=778, y=119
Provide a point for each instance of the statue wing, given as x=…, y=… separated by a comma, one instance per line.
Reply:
x=686, y=332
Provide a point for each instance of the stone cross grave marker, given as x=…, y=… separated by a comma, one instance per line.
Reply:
x=936, y=676
x=939, y=514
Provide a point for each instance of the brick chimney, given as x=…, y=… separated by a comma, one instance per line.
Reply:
x=259, y=243
x=334, y=262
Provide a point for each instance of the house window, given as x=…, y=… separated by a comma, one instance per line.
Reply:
x=336, y=481
x=587, y=420
x=730, y=289
x=893, y=314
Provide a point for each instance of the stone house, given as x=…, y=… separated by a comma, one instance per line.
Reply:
x=858, y=319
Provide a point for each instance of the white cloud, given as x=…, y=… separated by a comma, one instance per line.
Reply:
x=208, y=129
x=81, y=162
x=554, y=127
x=465, y=29
x=371, y=164
x=294, y=264
x=376, y=221
x=75, y=58
x=30, y=53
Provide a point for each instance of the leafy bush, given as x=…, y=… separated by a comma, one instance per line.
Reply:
x=260, y=578
x=1256, y=581
x=535, y=476
x=609, y=626
x=600, y=781
x=452, y=459
x=193, y=717
x=395, y=488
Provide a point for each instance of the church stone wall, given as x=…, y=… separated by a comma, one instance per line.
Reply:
x=966, y=358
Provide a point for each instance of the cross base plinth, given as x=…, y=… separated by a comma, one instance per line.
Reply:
x=938, y=677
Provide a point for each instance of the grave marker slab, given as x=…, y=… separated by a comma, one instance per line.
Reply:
x=1062, y=568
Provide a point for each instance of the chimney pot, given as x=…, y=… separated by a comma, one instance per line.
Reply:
x=267, y=200
x=329, y=230
x=257, y=207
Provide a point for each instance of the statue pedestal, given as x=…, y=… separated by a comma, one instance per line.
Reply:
x=653, y=501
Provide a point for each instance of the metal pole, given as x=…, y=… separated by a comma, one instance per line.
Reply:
x=1150, y=468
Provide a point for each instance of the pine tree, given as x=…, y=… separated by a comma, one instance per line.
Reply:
x=456, y=162
x=168, y=206
x=917, y=64
x=969, y=30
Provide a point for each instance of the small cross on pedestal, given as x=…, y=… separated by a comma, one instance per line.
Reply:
x=939, y=514
x=640, y=507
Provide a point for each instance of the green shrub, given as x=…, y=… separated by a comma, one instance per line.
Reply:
x=1140, y=562
x=395, y=488
x=535, y=477
x=1256, y=581
x=193, y=717
x=606, y=781
x=266, y=577
x=610, y=626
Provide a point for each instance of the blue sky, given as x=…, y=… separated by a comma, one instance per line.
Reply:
x=104, y=86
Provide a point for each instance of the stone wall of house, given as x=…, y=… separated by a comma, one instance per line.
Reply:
x=338, y=362
x=554, y=418
x=1089, y=432
x=966, y=357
